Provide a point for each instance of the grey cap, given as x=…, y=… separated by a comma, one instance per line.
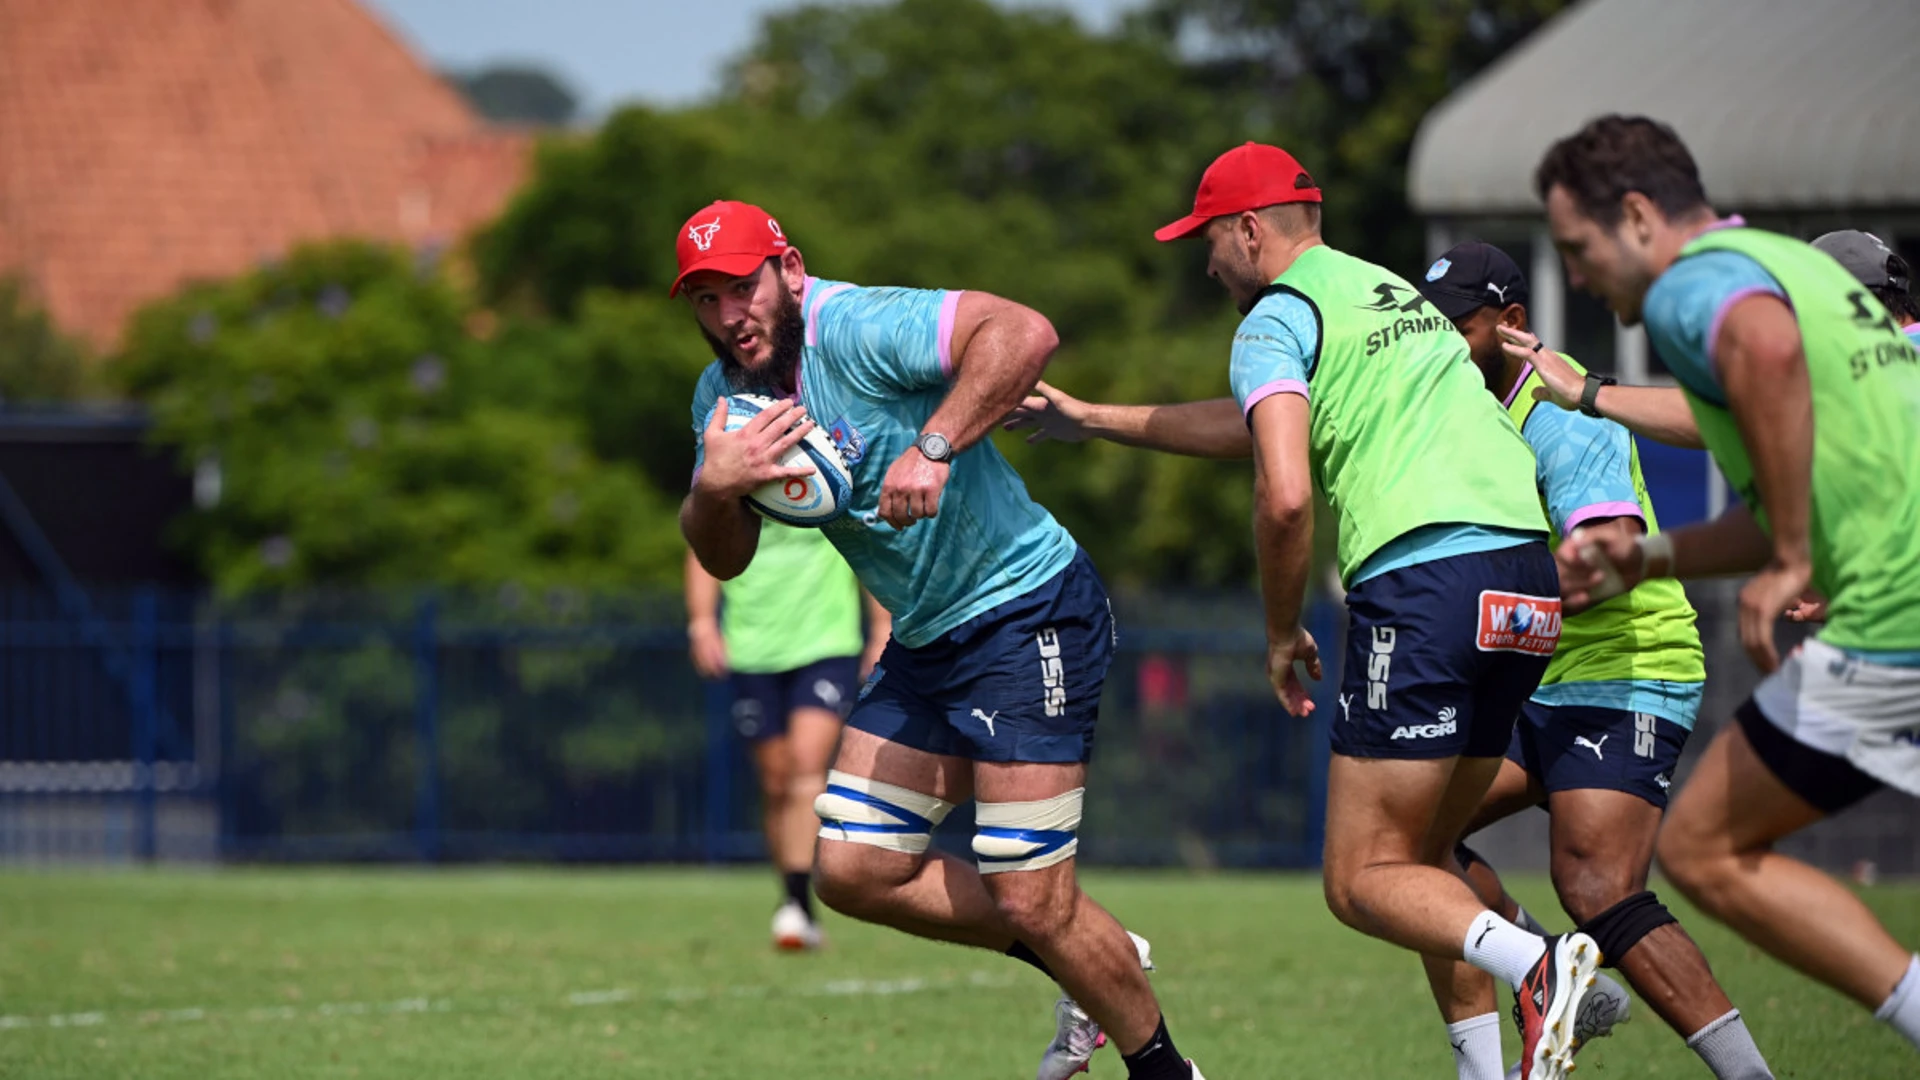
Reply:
x=1865, y=257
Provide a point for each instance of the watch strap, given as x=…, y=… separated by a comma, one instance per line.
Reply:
x=1590, y=394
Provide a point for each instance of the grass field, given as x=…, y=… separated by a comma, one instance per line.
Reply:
x=531, y=974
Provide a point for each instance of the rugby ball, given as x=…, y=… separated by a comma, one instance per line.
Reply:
x=807, y=501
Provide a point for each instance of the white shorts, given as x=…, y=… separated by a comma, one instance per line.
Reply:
x=1848, y=708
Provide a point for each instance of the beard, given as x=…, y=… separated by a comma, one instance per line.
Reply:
x=789, y=334
x=1242, y=277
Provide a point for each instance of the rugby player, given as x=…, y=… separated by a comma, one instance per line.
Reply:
x=1806, y=392
x=1002, y=633
x=792, y=651
x=1598, y=743
x=1345, y=379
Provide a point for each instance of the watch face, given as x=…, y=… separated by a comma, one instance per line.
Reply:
x=934, y=447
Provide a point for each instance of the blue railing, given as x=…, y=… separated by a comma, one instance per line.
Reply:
x=568, y=727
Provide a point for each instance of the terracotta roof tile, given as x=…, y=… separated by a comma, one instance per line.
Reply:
x=144, y=143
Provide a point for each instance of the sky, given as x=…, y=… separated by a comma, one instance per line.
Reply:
x=663, y=52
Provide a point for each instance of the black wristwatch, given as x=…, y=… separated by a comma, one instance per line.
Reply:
x=1592, y=393
x=934, y=447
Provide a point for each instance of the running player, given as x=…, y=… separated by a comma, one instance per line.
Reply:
x=1002, y=633
x=1600, y=739
x=1808, y=396
x=1350, y=383
x=792, y=649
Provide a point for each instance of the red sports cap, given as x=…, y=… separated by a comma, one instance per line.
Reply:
x=1244, y=178
x=733, y=238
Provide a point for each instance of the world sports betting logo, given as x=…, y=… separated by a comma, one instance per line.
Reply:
x=1516, y=622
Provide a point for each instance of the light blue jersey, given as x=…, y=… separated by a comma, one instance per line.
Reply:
x=874, y=367
x=1685, y=307
x=1584, y=469
x=1273, y=353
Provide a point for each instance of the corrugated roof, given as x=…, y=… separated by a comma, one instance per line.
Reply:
x=1786, y=104
x=147, y=142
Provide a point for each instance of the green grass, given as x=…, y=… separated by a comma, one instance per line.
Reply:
x=476, y=975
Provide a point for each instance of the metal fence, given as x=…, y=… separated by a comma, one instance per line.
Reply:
x=144, y=724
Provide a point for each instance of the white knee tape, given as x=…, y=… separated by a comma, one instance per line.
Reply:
x=862, y=811
x=1027, y=835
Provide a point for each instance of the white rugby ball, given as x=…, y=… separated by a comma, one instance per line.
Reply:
x=809, y=501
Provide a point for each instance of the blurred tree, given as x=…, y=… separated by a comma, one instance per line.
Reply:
x=37, y=362
x=921, y=142
x=1344, y=84
x=599, y=213
x=511, y=94
x=364, y=438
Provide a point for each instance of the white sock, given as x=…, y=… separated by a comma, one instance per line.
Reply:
x=1902, y=1007
x=1728, y=1049
x=1476, y=1048
x=1525, y=921
x=1502, y=949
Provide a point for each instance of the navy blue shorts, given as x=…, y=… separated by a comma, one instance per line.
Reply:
x=1019, y=682
x=1583, y=748
x=761, y=702
x=1441, y=655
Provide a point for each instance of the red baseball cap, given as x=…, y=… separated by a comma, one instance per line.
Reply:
x=731, y=237
x=1244, y=178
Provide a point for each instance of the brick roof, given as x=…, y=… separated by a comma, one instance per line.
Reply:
x=144, y=143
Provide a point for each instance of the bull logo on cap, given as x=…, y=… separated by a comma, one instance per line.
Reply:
x=702, y=235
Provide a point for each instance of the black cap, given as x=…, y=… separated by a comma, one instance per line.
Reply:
x=1471, y=276
x=1866, y=258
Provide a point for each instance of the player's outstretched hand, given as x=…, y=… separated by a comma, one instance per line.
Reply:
x=911, y=490
x=1563, y=385
x=1811, y=607
x=1597, y=565
x=736, y=462
x=1761, y=602
x=1281, y=657
x=1052, y=414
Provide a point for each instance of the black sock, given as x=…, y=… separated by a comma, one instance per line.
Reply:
x=1157, y=1060
x=799, y=891
x=1025, y=955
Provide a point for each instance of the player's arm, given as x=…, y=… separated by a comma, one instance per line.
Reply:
x=1283, y=540
x=998, y=349
x=1213, y=428
x=1763, y=367
x=714, y=518
x=704, y=643
x=1731, y=544
x=1659, y=413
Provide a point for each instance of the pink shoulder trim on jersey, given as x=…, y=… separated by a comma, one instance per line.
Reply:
x=1600, y=510
x=1277, y=386
x=949, y=307
x=1525, y=374
x=811, y=302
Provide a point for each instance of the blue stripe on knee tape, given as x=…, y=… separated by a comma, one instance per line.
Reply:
x=993, y=844
x=1027, y=835
x=909, y=822
x=863, y=811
